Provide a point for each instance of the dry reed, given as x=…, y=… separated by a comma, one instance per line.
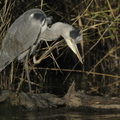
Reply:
x=99, y=21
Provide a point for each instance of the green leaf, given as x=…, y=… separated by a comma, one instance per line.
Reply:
x=112, y=28
x=108, y=17
x=94, y=16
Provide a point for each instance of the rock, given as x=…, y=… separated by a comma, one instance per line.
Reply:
x=4, y=95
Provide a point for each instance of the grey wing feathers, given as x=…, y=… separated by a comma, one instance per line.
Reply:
x=20, y=37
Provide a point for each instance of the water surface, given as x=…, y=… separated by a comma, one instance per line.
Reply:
x=56, y=114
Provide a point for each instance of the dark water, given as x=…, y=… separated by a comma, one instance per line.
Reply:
x=56, y=114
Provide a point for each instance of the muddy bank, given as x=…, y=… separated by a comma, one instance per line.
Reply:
x=72, y=99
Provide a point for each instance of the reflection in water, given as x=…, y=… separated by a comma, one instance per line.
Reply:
x=55, y=114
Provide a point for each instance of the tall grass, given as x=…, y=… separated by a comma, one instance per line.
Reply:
x=99, y=21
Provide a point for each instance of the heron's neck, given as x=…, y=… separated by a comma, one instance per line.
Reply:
x=57, y=29
x=61, y=29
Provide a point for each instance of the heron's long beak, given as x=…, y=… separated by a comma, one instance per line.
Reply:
x=73, y=46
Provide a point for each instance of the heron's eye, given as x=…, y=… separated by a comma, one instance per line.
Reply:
x=72, y=40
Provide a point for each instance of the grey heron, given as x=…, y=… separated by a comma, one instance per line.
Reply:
x=24, y=35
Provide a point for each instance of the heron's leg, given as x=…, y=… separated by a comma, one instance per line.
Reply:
x=27, y=73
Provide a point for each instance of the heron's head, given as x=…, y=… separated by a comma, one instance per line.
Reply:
x=72, y=37
x=72, y=40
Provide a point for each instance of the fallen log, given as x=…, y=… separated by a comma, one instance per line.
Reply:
x=81, y=99
x=72, y=99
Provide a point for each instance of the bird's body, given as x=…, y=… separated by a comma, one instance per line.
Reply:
x=28, y=30
x=21, y=36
